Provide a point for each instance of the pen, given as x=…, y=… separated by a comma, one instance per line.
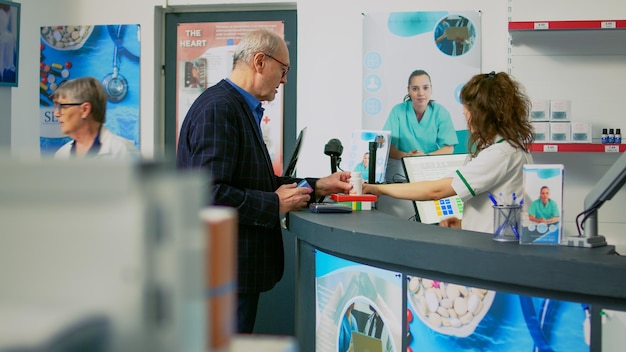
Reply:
x=493, y=200
x=514, y=197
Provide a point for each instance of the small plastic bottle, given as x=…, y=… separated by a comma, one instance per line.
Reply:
x=605, y=136
x=357, y=183
x=618, y=136
x=611, y=136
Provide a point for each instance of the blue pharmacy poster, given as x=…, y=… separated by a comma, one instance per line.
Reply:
x=445, y=317
x=444, y=44
x=359, y=307
x=111, y=54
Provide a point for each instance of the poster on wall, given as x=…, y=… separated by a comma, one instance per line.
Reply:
x=444, y=44
x=205, y=56
x=9, y=43
x=109, y=53
x=358, y=307
x=445, y=316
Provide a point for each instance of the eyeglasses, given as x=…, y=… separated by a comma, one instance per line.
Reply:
x=58, y=108
x=286, y=67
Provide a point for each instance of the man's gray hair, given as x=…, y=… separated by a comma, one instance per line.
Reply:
x=261, y=40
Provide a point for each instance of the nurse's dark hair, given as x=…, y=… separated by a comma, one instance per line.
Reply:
x=84, y=89
x=258, y=41
x=498, y=106
x=413, y=74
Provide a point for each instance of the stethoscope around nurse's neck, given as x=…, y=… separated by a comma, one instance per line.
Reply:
x=115, y=84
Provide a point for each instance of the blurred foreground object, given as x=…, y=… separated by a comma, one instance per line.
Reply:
x=107, y=252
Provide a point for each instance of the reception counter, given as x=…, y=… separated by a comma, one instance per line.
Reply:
x=594, y=276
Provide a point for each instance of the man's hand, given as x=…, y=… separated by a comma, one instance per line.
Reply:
x=292, y=197
x=339, y=182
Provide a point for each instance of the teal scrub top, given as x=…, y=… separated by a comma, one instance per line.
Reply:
x=433, y=132
x=363, y=169
x=538, y=210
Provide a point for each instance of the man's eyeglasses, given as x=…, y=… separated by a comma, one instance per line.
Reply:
x=286, y=67
x=58, y=108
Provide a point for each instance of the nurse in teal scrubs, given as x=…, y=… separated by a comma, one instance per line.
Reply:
x=363, y=166
x=419, y=125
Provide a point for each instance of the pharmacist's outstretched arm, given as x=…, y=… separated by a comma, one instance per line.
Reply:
x=425, y=190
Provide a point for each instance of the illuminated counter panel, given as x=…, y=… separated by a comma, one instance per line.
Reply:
x=578, y=275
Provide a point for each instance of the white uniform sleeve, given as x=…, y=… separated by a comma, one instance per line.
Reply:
x=480, y=174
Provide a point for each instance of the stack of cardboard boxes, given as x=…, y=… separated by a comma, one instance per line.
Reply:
x=552, y=121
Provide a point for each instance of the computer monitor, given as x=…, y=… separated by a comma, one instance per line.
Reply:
x=290, y=171
x=434, y=167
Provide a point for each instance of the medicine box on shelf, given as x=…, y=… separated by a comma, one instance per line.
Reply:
x=542, y=131
x=581, y=132
x=540, y=110
x=560, y=132
x=560, y=110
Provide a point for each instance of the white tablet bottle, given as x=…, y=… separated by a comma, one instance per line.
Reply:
x=357, y=183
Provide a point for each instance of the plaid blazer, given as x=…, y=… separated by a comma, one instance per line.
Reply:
x=221, y=134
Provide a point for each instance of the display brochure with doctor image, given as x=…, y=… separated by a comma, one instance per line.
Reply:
x=356, y=304
x=358, y=155
x=542, y=210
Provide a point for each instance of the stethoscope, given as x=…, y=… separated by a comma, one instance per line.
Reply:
x=115, y=84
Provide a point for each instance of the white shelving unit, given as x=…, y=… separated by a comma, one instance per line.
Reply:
x=580, y=60
x=576, y=53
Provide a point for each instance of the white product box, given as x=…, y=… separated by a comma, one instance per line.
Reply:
x=560, y=110
x=581, y=132
x=560, y=132
x=542, y=131
x=540, y=110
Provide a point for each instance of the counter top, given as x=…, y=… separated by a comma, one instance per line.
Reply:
x=591, y=275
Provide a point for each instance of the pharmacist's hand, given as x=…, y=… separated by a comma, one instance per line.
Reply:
x=371, y=189
x=452, y=222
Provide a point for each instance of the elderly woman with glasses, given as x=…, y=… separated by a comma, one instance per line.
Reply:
x=80, y=108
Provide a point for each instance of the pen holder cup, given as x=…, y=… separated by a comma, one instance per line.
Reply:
x=506, y=222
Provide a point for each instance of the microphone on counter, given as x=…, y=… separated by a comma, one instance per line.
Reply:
x=334, y=149
x=371, y=177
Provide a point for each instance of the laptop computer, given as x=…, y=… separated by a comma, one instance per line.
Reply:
x=434, y=167
x=365, y=343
